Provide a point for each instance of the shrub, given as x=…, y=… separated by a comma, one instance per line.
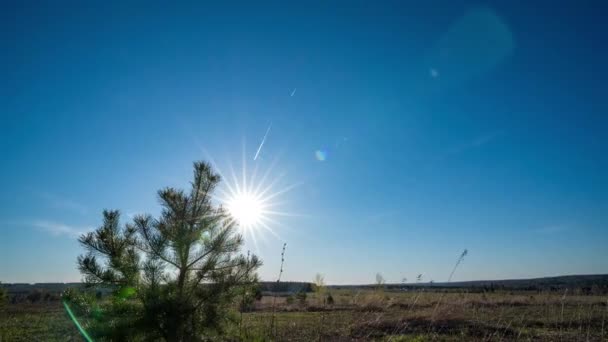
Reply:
x=329, y=299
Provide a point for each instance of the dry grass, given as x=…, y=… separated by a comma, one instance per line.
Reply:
x=378, y=315
x=374, y=315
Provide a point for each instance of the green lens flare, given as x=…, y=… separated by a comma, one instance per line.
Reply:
x=126, y=292
x=73, y=318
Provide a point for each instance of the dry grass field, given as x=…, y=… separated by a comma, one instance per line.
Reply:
x=395, y=316
x=374, y=315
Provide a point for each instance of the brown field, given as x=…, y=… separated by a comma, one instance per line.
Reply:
x=374, y=315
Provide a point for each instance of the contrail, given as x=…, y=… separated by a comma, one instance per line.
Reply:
x=293, y=92
x=257, y=153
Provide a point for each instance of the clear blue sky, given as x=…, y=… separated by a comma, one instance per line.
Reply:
x=440, y=127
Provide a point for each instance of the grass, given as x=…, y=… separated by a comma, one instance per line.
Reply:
x=363, y=315
x=368, y=315
x=36, y=322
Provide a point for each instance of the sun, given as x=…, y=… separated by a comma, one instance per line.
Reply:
x=253, y=200
x=246, y=208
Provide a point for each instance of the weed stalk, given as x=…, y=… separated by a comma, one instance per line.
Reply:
x=274, y=298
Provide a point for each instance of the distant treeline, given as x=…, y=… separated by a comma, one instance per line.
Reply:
x=24, y=289
x=285, y=287
x=583, y=284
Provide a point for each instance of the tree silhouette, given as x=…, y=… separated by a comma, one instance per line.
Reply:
x=174, y=277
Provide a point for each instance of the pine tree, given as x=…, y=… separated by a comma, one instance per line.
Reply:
x=174, y=277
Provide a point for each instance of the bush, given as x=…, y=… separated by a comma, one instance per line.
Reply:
x=329, y=299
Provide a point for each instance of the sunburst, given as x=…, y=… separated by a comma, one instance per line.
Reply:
x=252, y=201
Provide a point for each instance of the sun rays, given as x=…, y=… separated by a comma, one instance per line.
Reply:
x=253, y=200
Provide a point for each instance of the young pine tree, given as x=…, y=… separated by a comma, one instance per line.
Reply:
x=174, y=277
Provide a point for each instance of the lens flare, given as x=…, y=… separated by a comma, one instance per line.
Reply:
x=83, y=332
x=321, y=155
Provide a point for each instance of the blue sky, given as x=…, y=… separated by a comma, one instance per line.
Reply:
x=414, y=131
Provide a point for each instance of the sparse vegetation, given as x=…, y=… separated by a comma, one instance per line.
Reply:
x=358, y=314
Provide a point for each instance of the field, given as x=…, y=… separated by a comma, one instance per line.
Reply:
x=377, y=315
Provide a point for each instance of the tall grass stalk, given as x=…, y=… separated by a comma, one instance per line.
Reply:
x=439, y=302
x=561, y=325
x=604, y=318
x=464, y=254
x=274, y=297
x=458, y=262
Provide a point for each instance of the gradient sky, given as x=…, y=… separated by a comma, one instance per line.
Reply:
x=414, y=131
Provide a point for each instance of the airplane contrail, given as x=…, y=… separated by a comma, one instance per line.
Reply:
x=293, y=92
x=257, y=153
